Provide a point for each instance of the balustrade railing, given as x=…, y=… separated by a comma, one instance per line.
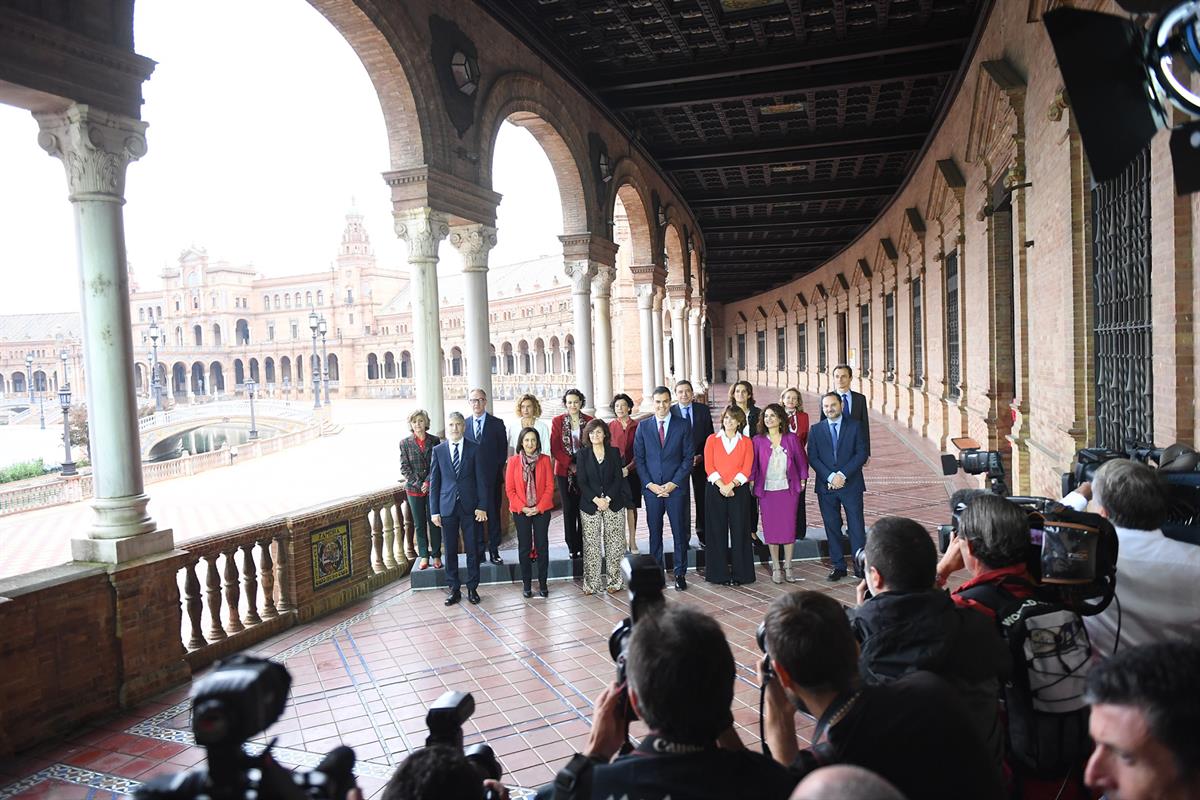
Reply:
x=240, y=587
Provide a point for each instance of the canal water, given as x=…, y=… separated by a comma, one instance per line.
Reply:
x=205, y=440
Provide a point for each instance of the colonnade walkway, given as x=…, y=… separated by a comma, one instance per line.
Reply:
x=365, y=674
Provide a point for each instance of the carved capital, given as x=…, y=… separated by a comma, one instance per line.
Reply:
x=422, y=229
x=675, y=306
x=645, y=295
x=95, y=147
x=474, y=242
x=602, y=281
x=581, y=274
x=694, y=315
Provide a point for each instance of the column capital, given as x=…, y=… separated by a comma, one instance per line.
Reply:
x=602, y=281
x=645, y=295
x=590, y=246
x=423, y=229
x=581, y=274
x=675, y=305
x=694, y=314
x=474, y=242
x=95, y=147
x=651, y=274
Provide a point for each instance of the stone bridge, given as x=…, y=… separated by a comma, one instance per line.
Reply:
x=282, y=416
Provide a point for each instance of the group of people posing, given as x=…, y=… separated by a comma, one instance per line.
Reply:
x=753, y=466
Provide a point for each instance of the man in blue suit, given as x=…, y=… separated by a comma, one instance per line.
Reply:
x=488, y=433
x=837, y=450
x=662, y=448
x=699, y=420
x=457, y=494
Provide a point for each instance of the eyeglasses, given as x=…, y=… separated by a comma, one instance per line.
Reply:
x=478, y=399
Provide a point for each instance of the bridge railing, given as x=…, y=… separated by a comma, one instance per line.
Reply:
x=241, y=587
x=266, y=409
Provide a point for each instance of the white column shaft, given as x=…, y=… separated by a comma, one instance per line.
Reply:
x=602, y=308
x=697, y=354
x=645, y=301
x=678, y=337
x=424, y=229
x=475, y=242
x=660, y=376
x=581, y=273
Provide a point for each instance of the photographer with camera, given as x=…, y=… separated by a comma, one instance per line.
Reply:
x=680, y=676
x=433, y=773
x=904, y=624
x=914, y=731
x=1158, y=586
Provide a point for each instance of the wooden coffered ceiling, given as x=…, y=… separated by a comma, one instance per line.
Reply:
x=787, y=125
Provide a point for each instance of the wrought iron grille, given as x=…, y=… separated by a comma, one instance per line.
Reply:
x=889, y=336
x=953, y=353
x=864, y=338
x=802, y=346
x=741, y=351
x=821, y=363
x=843, y=337
x=781, y=348
x=760, y=348
x=918, y=336
x=1121, y=278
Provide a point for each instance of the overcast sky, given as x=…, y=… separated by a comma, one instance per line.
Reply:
x=257, y=144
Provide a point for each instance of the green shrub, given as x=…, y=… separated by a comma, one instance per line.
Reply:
x=23, y=470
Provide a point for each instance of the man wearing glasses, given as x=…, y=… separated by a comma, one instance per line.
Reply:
x=489, y=435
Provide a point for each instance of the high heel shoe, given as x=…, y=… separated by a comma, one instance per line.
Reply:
x=776, y=574
x=787, y=573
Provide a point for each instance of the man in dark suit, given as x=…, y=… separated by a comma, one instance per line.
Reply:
x=837, y=450
x=491, y=438
x=662, y=448
x=854, y=405
x=457, y=492
x=699, y=419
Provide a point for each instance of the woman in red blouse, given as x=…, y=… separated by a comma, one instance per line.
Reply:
x=797, y=421
x=622, y=430
x=566, y=437
x=529, y=482
x=728, y=462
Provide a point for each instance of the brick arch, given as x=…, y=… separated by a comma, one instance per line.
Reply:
x=635, y=196
x=677, y=271
x=384, y=42
x=538, y=110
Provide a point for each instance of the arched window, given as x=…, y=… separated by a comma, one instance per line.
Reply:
x=297, y=300
x=287, y=301
x=141, y=315
x=266, y=302
x=276, y=302
x=321, y=301
x=308, y=298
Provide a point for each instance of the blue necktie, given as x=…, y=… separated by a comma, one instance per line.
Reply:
x=833, y=430
x=478, y=429
x=687, y=415
x=846, y=401
x=454, y=462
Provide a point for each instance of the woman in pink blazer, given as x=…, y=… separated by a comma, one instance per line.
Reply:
x=780, y=475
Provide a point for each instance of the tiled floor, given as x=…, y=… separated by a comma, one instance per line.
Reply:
x=364, y=675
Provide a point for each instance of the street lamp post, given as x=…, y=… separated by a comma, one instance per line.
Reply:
x=250, y=387
x=313, y=323
x=29, y=375
x=64, y=400
x=155, y=332
x=323, y=327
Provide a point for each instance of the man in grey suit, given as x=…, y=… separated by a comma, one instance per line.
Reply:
x=854, y=405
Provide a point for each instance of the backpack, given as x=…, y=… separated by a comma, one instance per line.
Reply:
x=1044, y=700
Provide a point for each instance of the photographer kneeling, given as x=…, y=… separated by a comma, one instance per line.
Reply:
x=680, y=682
x=904, y=624
x=914, y=731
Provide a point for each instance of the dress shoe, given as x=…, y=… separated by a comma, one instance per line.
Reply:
x=496, y=559
x=423, y=564
x=437, y=563
x=473, y=596
x=680, y=583
x=543, y=592
x=453, y=598
x=835, y=575
x=527, y=594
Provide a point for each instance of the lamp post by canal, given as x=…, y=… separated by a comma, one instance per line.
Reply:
x=323, y=327
x=64, y=400
x=155, y=332
x=29, y=375
x=314, y=322
x=250, y=387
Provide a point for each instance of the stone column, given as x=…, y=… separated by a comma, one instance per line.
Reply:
x=697, y=366
x=676, y=307
x=96, y=147
x=657, y=337
x=581, y=274
x=645, y=302
x=475, y=242
x=602, y=308
x=423, y=229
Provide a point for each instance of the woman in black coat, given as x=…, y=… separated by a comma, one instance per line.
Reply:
x=602, y=498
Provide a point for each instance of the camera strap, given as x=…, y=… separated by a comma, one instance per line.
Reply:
x=836, y=712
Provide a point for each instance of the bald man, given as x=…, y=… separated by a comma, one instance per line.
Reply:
x=845, y=782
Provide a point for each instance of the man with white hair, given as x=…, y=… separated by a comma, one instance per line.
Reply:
x=845, y=782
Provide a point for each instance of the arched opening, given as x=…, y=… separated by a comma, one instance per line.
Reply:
x=299, y=373
x=254, y=371
x=216, y=333
x=179, y=379
x=239, y=373
x=285, y=370
x=494, y=360
x=198, y=336
x=178, y=336
x=525, y=361
x=139, y=381
x=199, y=380
x=569, y=354
x=539, y=356
x=506, y=351
x=555, y=356
x=241, y=333
x=18, y=383
x=372, y=367
x=456, y=361
x=389, y=366
x=405, y=364
x=216, y=377
x=269, y=370
x=332, y=364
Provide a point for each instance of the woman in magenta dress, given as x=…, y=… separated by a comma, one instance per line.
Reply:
x=780, y=475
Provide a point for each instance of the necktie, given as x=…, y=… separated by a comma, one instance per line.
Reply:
x=846, y=402
x=454, y=459
x=687, y=414
x=662, y=433
x=833, y=430
x=478, y=429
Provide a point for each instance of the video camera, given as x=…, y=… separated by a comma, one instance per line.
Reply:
x=240, y=698
x=445, y=719
x=1072, y=554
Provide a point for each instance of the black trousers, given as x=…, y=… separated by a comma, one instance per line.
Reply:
x=801, y=516
x=490, y=532
x=572, y=533
x=533, y=530
x=699, y=496
x=728, y=536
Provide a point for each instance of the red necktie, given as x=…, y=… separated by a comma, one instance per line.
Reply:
x=662, y=433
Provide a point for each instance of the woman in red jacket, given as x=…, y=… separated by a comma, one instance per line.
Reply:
x=728, y=462
x=529, y=482
x=566, y=437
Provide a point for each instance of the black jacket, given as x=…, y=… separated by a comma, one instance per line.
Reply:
x=596, y=479
x=903, y=632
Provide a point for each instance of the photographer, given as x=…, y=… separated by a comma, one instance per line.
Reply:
x=1158, y=586
x=680, y=683
x=914, y=731
x=432, y=773
x=903, y=624
x=993, y=544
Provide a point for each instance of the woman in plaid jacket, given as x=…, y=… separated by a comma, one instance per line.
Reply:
x=415, y=454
